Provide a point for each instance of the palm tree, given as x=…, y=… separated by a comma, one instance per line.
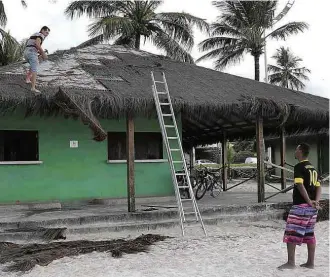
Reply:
x=3, y=16
x=129, y=21
x=287, y=73
x=241, y=29
x=10, y=49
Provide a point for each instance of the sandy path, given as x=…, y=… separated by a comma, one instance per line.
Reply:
x=236, y=249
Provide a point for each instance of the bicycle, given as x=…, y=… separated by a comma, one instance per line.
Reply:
x=210, y=181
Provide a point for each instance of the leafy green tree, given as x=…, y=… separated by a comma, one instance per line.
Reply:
x=240, y=29
x=287, y=71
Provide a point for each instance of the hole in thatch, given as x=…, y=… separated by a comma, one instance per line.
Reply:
x=25, y=257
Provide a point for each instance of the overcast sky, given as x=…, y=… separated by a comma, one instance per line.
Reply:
x=312, y=45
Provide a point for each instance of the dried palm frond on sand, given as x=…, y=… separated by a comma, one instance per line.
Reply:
x=46, y=234
x=25, y=257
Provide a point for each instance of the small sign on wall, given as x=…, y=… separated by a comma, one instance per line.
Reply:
x=73, y=144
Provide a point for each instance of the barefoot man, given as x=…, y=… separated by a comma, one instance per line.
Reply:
x=32, y=50
x=302, y=216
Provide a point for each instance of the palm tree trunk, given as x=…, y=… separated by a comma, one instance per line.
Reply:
x=256, y=68
x=137, y=41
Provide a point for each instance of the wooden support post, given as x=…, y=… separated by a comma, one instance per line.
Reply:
x=283, y=158
x=192, y=158
x=130, y=154
x=224, y=162
x=319, y=155
x=260, y=159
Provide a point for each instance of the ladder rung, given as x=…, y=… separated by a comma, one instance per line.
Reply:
x=183, y=187
x=175, y=149
x=172, y=137
x=180, y=174
x=177, y=162
x=169, y=126
x=163, y=104
x=161, y=82
x=161, y=92
x=192, y=226
x=167, y=114
x=190, y=213
x=186, y=199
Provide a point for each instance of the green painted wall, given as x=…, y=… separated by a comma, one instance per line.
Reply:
x=77, y=173
x=291, y=145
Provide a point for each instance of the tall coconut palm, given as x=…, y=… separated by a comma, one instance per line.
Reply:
x=130, y=21
x=241, y=29
x=286, y=72
x=10, y=49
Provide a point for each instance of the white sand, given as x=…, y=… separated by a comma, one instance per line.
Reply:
x=235, y=249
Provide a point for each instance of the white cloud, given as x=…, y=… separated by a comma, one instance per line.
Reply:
x=312, y=45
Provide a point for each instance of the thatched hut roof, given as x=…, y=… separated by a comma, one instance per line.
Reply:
x=117, y=81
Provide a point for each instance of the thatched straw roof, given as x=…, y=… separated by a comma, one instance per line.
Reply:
x=118, y=81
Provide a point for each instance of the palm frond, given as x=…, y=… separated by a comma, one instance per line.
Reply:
x=123, y=40
x=228, y=58
x=288, y=29
x=179, y=31
x=275, y=78
x=3, y=16
x=295, y=83
x=232, y=12
x=93, y=41
x=91, y=8
x=10, y=49
x=111, y=27
x=153, y=5
x=225, y=55
x=186, y=19
x=172, y=48
x=216, y=42
x=222, y=28
x=273, y=68
x=301, y=70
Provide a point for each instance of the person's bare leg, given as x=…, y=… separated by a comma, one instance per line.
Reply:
x=28, y=76
x=33, y=80
x=291, y=248
x=311, y=255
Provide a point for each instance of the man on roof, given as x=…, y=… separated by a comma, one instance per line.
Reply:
x=303, y=214
x=33, y=53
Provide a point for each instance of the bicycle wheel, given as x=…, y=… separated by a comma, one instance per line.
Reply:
x=201, y=190
x=216, y=189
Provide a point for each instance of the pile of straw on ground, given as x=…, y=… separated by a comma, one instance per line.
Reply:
x=25, y=257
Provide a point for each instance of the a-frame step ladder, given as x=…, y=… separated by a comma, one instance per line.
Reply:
x=172, y=141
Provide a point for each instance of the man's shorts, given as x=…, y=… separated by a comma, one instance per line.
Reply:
x=300, y=225
x=31, y=56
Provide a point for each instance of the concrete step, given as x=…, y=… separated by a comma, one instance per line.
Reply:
x=107, y=226
x=69, y=218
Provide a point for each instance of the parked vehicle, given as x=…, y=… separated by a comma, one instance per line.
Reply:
x=204, y=162
x=251, y=160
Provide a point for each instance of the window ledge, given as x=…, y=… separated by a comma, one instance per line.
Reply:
x=20, y=162
x=137, y=161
